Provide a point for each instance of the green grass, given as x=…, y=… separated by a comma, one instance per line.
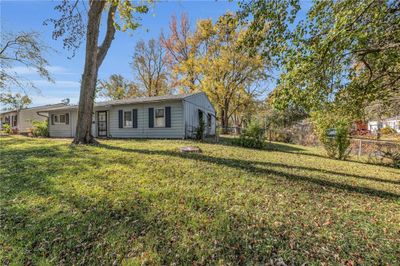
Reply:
x=141, y=201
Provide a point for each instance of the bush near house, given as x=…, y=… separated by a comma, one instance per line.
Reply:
x=199, y=131
x=40, y=128
x=251, y=137
x=7, y=129
x=134, y=202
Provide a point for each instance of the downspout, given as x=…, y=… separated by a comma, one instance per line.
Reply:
x=38, y=113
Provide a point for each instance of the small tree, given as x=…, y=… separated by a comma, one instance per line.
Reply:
x=333, y=132
x=252, y=136
x=200, y=130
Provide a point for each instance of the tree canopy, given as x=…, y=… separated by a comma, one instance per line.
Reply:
x=345, y=53
x=117, y=88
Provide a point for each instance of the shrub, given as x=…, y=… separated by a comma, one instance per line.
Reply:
x=388, y=131
x=7, y=129
x=333, y=132
x=251, y=137
x=40, y=128
x=200, y=130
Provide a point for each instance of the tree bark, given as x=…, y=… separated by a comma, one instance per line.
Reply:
x=94, y=57
x=224, y=120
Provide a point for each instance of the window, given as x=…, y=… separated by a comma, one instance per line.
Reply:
x=159, y=117
x=128, y=119
x=62, y=119
x=15, y=121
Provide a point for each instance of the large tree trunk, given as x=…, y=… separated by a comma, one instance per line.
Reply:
x=94, y=57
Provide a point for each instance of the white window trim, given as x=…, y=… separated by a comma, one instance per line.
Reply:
x=155, y=119
x=123, y=119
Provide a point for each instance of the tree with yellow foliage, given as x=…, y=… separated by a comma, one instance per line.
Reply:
x=227, y=69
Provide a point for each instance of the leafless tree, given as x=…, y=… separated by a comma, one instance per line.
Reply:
x=149, y=67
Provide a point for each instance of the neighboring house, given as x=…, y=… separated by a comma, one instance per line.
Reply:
x=393, y=122
x=170, y=116
x=21, y=120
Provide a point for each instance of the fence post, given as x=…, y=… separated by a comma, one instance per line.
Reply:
x=359, y=149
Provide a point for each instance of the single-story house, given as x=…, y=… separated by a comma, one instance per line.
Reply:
x=21, y=120
x=393, y=122
x=169, y=116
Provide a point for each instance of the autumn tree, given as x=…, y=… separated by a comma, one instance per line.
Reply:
x=150, y=68
x=181, y=51
x=72, y=28
x=228, y=71
x=117, y=88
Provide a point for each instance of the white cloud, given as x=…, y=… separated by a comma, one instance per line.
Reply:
x=58, y=84
x=53, y=70
x=38, y=100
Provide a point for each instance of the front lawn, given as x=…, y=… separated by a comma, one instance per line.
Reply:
x=141, y=201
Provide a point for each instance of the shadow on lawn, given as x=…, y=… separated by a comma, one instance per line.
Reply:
x=75, y=228
x=271, y=146
x=250, y=166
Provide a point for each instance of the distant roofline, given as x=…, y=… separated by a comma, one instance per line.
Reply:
x=137, y=100
x=44, y=107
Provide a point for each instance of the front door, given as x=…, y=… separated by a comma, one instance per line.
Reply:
x=102, y=123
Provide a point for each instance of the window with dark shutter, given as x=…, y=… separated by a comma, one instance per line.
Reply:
x=168, y=116
x=134, y=118
x=52, y=119
x=151, y=117
x=120, y=120
x=67, y=118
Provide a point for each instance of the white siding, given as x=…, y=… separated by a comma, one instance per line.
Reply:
x=191, y=106
x=183, y=113
x=26, y=117
x=143, y=131
x=63, y=130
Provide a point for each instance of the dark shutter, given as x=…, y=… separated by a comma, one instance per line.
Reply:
x=52, y=119
x=67, y=119
x=168, y=116
x=120, y=122
x=134, y=118
x=151, y=117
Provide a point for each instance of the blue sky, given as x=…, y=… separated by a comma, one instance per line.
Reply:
x=29, y=15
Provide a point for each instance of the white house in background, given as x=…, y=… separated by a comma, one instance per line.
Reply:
x=170, y=116
x=393, y=122
x=21, y=120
